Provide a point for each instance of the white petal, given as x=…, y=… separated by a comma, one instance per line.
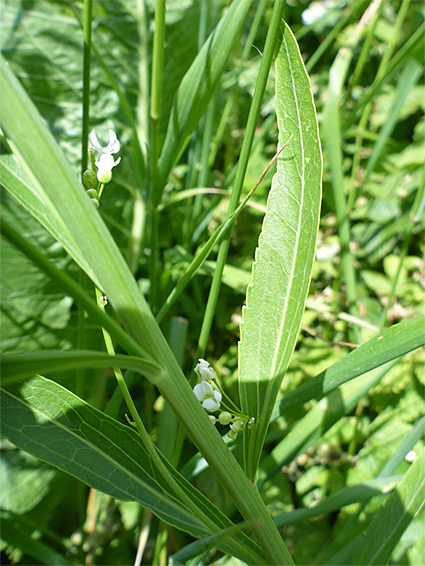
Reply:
x=94, y=141
x=117, y=161
x=114, y=144
x=105, y=163
x=202, y=390
x=210, y=405
x=217, y=396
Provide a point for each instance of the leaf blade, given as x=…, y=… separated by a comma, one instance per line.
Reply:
x=48, y=421
x=287, y=243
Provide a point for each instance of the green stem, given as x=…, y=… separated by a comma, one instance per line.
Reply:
x=74, y=290
x=88, y=16
x=87, y=28
x=155, y=111
x=266, y=61
x=414, y=214
x=361, y=129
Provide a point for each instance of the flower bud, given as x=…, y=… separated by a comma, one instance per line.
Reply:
x=237, y=425
x=92, y=193
x=224, y=418
x=95, y=202
x=89, y=179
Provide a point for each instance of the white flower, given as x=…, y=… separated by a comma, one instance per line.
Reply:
x=209, y=397
x=112, y=147
x=204, y=371
x=106, y=161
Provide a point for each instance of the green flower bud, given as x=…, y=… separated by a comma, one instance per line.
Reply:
x=92, y=193
x=92, y=160
x=224, y=418
x=95, y=202
x=89, y=179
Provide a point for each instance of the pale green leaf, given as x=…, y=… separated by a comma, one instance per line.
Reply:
x=282, y=270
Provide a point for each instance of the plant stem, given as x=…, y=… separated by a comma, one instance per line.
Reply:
x=155, y=111
x=87, y=19
x=266, y=61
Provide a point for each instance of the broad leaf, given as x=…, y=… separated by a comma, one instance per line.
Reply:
x=53, y=424
x=282, y=270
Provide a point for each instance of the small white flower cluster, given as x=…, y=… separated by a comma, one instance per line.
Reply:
x=104, y=165
x=211, y=400
x=205, y=393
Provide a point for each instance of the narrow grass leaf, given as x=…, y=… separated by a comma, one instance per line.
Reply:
x=318, y=420
x=53, y=424
x=282, y=269
x=390, y=344
x=18, y=366
x=345, y=496
x=375, y=546
x=198, y=87
x=14, y=532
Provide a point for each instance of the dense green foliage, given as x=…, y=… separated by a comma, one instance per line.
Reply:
x=200, y=111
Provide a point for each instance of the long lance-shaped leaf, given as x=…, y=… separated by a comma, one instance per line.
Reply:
x=48, y=421
x=282, y=270
x=388, y=345
x=198, y=87
x=36, y=148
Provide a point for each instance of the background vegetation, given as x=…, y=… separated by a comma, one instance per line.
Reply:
x=347, y=451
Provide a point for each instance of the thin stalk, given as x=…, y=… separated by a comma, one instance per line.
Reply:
x=74, y=290
x=364, y=54
x=155, y=112
x=330, y=37
x=140, y=427
x=408, y=48
x=87, y=29
x=254, y=28
x=266, y=61
x=333, y=139
x=361, y=129
x=414, y=217
x=142, y=135
x=214, y=239
x=88, y=16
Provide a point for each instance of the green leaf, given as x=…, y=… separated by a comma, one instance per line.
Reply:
x=35, y=146
x=318, y=421
x=342, y=498
x=30, y=194
x=24, y=480
x=198, y=87
x=13, y=531
x=375, y=546
x=282, y=270
x=388, y=345
x=15, y=367
x=53, y=424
